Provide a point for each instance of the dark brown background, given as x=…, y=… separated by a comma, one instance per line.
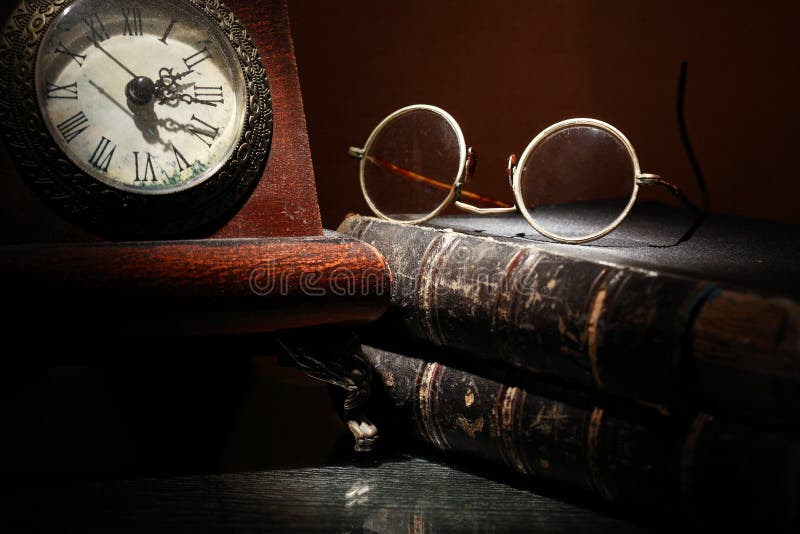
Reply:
x=507, y=69
x=504, y=70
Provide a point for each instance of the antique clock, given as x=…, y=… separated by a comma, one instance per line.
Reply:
x=158, y=214
x=139, y=133
x=177, y=124
x=138, y=119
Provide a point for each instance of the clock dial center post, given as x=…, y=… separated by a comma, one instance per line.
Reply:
x=140, y=90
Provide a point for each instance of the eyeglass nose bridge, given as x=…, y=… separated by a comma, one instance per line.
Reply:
x=471, y=164
x=469, y=169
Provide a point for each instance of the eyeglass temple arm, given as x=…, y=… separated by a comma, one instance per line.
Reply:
x=502, y=207
x=687, y=145
x=654, y=179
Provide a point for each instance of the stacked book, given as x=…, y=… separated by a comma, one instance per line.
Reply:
x=657, y=366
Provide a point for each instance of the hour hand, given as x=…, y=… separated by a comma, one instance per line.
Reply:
x=167, y=90
x=173, y=99
x=167, y=79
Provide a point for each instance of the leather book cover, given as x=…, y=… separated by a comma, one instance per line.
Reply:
x=618, y=450
x=645, y=312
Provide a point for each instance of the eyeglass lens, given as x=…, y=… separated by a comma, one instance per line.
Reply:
x=577, y=181
x=411, y=164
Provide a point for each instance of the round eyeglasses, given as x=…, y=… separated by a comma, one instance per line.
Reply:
x=575, y=182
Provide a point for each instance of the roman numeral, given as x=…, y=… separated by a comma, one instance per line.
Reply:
x=148, y=168
x=69, y=92
x=169, y=30
x=197, y=57
x=178, y=158
x=203, y=134
x=79, y=59
x=100, y=160
x=96, y=27
x=73, y=126
x=210, y=96
x=133, y=21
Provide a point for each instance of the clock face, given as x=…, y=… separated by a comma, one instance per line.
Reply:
x=135, y=118
x=146, y=96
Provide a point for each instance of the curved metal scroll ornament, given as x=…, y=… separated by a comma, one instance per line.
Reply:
x=334, y=356
x=103, y=208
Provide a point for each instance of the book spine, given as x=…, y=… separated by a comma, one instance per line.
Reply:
x=571, y=443
x=623, y=453
x=635, y=333
x=745, y=352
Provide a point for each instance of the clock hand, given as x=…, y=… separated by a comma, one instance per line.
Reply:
x=166, y=88
x=140, y=89
x=168, y=92
x=111, y=98
x=115, y=60
x=145, y=119
x=166, y=78
x=173, y=99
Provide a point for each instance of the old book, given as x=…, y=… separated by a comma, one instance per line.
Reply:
x=613, y=448
x=645, y=312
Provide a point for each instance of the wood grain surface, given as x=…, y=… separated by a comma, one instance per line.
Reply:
x=284, y=203
x=400, y=495
x=195, y=287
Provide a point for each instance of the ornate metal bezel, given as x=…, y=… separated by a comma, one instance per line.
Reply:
x=104, y=209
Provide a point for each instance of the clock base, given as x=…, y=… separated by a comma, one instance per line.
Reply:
x=204, y=287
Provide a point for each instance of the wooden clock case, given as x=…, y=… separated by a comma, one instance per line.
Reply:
x=61, y=274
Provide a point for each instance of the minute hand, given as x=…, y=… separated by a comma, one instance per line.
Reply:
x=115, y=60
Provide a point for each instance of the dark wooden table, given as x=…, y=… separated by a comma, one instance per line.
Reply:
x=399, y=495
x=212, y=441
